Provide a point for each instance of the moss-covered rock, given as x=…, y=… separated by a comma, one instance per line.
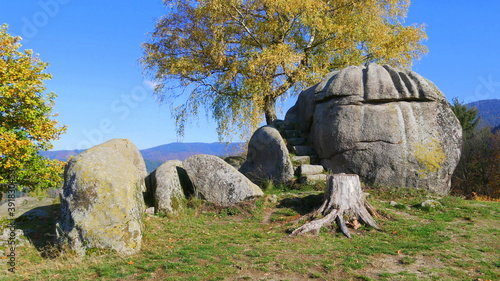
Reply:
x=101, y=202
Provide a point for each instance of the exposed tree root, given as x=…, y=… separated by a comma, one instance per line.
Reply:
x=343, y=197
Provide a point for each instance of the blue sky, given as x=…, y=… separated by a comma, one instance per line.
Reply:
x=93, y=48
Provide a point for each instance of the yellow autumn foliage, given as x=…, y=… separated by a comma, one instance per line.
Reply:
x=237, y=57
x=26, y=119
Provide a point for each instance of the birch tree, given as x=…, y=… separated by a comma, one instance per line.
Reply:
x=237, y=58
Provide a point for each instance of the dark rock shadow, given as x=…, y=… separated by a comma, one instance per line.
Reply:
x=39, y=226
x=302, y=205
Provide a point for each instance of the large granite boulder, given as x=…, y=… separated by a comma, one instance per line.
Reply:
x=218, y=182
x=267, y=157
x=102, y=202
x=390, y=126
x=166, y=188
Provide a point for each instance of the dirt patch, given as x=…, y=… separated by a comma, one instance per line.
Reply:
x=420, y=265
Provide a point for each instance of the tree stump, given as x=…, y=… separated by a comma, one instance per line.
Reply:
x=343, y=197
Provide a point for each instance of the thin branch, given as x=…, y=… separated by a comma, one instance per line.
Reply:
x=290, y=26
x=242, y=23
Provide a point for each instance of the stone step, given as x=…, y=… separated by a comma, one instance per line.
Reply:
x=307, y=169
x=303, y=150
x=290, y=134
x=299, y=160
x=315, y=160
x=296, y=141
x=311, y=179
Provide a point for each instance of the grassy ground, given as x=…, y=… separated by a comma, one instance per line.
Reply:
x=458, y=241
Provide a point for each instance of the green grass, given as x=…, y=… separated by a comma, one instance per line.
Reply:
x=458, y=241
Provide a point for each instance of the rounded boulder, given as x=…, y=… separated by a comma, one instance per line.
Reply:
x=218, y=182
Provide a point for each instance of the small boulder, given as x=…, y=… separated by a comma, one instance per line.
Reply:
x=218, y=182
x=150, y=211
x=267, y=158
x=165, y=185
x=430, y=204
x=102, y=202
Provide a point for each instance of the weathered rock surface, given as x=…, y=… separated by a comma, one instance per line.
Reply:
x=165, y=185
x=218, y=182
x=392, y=127
x=102, y=202
x=267, y=157
x=129, y=151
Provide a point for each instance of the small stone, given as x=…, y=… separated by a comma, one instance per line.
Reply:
x=150, y=211
x=430, y=204
x=272, y=198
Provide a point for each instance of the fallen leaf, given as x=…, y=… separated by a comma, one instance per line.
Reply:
x=354, y=224
x=130, y=262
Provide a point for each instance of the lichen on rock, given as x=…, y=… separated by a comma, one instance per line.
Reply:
x=101, y=202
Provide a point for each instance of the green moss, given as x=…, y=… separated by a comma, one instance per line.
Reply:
x=178, y=202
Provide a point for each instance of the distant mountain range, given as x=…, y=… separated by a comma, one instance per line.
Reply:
x=156, y=156
x=489, y=110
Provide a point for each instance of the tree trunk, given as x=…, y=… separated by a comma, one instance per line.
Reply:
x=270, y=110
x=343, y=197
